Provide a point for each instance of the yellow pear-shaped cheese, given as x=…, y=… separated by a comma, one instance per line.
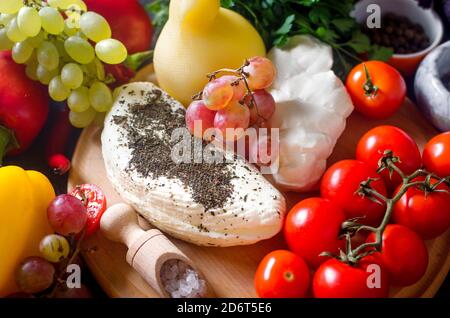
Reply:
x=200, y=37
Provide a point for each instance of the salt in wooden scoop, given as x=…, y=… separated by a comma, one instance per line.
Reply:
x=150, y=252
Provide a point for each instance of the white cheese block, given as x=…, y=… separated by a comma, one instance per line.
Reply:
x=253, y=210
x=312, y=107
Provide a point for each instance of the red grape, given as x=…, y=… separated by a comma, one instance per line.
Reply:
x=34, y=275
x=218, y=93
x=67, y=215
x=197, y=111
x=264, y=108
x=239, y=89
x=261, y=72
x=232, y=121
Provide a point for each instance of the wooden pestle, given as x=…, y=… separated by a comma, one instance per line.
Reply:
x=147, y=250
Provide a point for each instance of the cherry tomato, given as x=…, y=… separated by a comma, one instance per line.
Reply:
x=312, y=227
x=436, y=155
x=340, y=183
x=427, y=214
x=95, y=202
x=282, y=274
x=372, y=145
x=378, y=94
x=366, y=279
x=403, y=253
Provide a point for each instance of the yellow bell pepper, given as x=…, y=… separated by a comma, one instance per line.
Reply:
x=24, y=198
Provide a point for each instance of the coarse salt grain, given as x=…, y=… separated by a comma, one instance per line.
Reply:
x=181, y=280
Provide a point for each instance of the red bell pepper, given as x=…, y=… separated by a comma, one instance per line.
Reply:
x=24, y=107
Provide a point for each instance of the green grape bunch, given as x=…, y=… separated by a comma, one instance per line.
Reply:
x=64, y=46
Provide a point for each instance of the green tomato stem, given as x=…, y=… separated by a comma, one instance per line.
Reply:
x=369, y=88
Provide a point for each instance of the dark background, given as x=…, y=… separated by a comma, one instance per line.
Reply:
x=34, y=159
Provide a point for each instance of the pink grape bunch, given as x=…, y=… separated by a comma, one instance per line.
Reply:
x=235, y=101
x=67, y=215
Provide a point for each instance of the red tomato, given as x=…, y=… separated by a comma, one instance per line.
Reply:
x=342, y=180
x=403, y=253
x=95, y=202
x=367, y=279
x=129, y=22
x=427, y=214
x=383, y=101
x=312, y=227
x=282, y=274
x=372, y=145
x=436, y=155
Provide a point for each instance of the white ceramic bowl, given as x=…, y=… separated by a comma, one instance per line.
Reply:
x=433, y=97
x=427, y=18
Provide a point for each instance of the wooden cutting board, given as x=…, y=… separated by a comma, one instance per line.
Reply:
x=230, y=270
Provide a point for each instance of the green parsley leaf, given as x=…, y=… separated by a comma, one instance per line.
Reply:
x=359, y=42
x=381, y=53
x=287, y=25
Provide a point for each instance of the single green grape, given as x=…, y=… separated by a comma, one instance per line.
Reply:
x=31, y=69
x=56, y=89
x=79, y=49
x=78, y=100
x=13, y=32
x=72, y=75
x=54, y=248
x=29, y=21
x=5, y=18
x=47, y=55
x=111, y=51
x=83, y=119
x=100, y=97
x=10, y=6
x=52, y=20
x=45, y=76
x=5, y=42
x=94, y=26
x=22, y=51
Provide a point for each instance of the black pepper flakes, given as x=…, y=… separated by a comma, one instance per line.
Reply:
x=210, y=184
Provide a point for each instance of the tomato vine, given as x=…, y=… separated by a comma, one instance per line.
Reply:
x=351, y=227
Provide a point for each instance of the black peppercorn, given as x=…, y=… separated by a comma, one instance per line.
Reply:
x=400, y=34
